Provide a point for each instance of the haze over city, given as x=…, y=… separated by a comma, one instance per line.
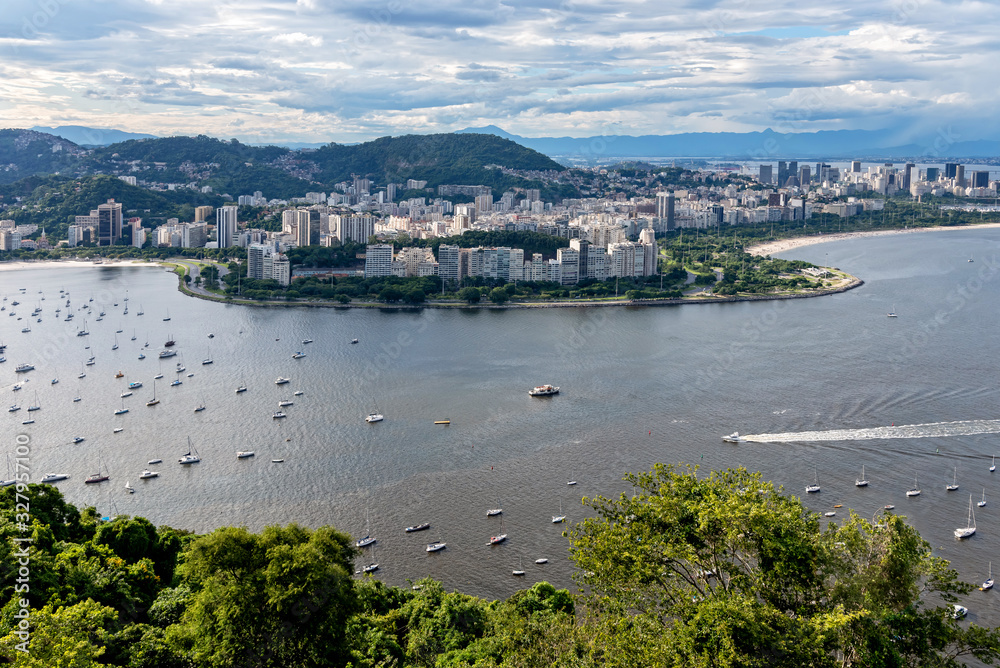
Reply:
x=323, y=70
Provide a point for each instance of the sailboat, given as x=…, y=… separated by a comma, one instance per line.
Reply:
x=520, y=568
x=813, y=488
x=954, y=484
x=154, y=400
x=373, y=565
x=493, y=512
x=12, y=480
x=986, y=586
x=892, y=313
x=167, y=319
x=368, y=539
x=128, y=488
x=913, y=491
x=200, y=407
x=122, y=410
x=100, y=476
x=560, y=518
x=188, y=457
x=862, y=481
x=115, y=347
x=970, y=529
x=436, y=546
x=35, y=406
x=140, y=310
x=500, y=537
x=993, y=466
x=208, y=359
x=133, y=335
x=983, y=502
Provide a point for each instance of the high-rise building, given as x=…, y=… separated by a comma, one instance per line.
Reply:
x=448, y=263
x=805, y=177
x=109, y=225
x=782, y=173
x=980, y=179
x=378, y=260
x=856, y=166
x=306, y=227
x=203, y=213
x=960, y=175
x=932, y=174
x=225, y=226
x=484, y=204
x=569, y=261
x=793, y=172
x=765, y=174
x=665, y=209
x=950, y=170
x=355, y=228
x=909, y=174
x=647, y=238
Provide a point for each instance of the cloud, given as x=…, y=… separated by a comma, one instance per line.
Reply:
x=540, y=67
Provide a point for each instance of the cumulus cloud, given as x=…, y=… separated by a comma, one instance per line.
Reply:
x=533, y=67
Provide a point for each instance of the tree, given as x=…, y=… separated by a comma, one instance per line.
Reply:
x=499, y=296
x=64, y=637
x=390, y=295
x=726, y=570
x=470, y=295
x=415, y=296
x=278, y=598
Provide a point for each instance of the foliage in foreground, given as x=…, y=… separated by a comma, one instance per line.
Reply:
x=717, y=571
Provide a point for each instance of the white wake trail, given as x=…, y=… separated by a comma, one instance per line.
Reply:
x=934, y=429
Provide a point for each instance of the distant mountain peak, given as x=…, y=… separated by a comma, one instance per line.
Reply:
x=85, y=136
x=489, y=130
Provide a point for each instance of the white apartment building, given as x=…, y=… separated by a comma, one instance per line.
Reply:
x=378, y=260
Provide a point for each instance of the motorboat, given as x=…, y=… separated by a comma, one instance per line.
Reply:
x=126, y=393
x=354, y=340
x=543, y=560
x=436, y=546
x=732, y=438
x=278, y=415
x=297, y=393
x=167, y=353
x=154, y=461
x=244, y=454
x=543, y=391
x=241, y=388
x=418, y=527
x=78, y=439
x=374, y=417
x=365, y=542
x=281, y=380
x=118, y=430
x=307, y=340
x=134, y=386
x=282, y=404
x=958, y=611
x=147, y=474
x=54, y=477
x=298, y=356
x=24, y=368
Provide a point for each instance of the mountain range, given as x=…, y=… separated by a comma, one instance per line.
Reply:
x=750, y=146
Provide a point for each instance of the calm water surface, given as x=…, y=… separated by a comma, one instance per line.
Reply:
x=639, y=386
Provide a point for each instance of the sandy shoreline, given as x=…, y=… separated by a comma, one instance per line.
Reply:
x=782, y=245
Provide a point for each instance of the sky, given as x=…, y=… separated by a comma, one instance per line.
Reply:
x=329, y=70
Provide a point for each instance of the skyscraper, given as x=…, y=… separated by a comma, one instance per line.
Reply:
x=960, y=175
x=225, y=226
x=805, y=177
x=980, y=179
x=109, y=223
x=782, y=173
x=765, y=174
x=950, y=170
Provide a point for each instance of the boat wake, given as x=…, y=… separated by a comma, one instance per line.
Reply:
x=934, y=429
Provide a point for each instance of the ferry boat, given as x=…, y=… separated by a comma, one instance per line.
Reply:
x=543, y=391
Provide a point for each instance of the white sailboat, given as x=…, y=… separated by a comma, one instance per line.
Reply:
x=993, y=466
x=862, y=481
x=493, y=512
x=191, y=456
x=813, y=488
x=892, y=313
x=499, y=537
x=913, y=491
x=970, y=529
x=986, y=586
x=954, y=484
x=128, y=488
x=154, y=400
x=368, y=539
x=560, y=518
x=436, y=546
x=520, y=568
x=983, y=502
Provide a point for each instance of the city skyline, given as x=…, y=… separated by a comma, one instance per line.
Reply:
x=319, y=70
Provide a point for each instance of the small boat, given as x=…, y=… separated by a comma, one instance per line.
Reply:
x=543, y=391
x=442, y=421
x=277, y=461
x=100, y=476
x=142, y=356
x=241, y=388
x=436, y=546
x=211, y=336
x=158, y=376
x=520, y=568
x=278, y=415
x=970, y=528
x=175, y=383
x=307, y=340
x=28, y=421
x=830, y=513
x=134, y=386
x=13, y=408
x=993, y=466
x=128, y=488
x=119, y=374
x=374, y=417
x=78, y=439
x=126, y=393
x=154, y=400
x=285, y=402
x=543, y=560
x=954, y=484
x=298, y=356
x=500, y=536
x=418, y=527
x=354, y=340
x=281, y=380
x=117, y=430
x=54, y=477
x=155, y=461
x=958, y=611
x=560, y=518
x=370, y=568
x=496, y=510
x=892, y=313
x=888, y=506
x=913, y=491
x=54, y=381
x=189, y=457
x=732, y=438
x=365, y=542
x=244, y=454
x=122, y=410
x=986, y=586
x=297, y=393
x=571, y=482
x=76, y=399
x=200, y=408
x=814, y=487
x=983, y=502
x=862, y=481
x=147, y=474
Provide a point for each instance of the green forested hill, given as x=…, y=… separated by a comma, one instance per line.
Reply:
x=25, y=153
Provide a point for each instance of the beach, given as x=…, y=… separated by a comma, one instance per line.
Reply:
x=783, y=245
